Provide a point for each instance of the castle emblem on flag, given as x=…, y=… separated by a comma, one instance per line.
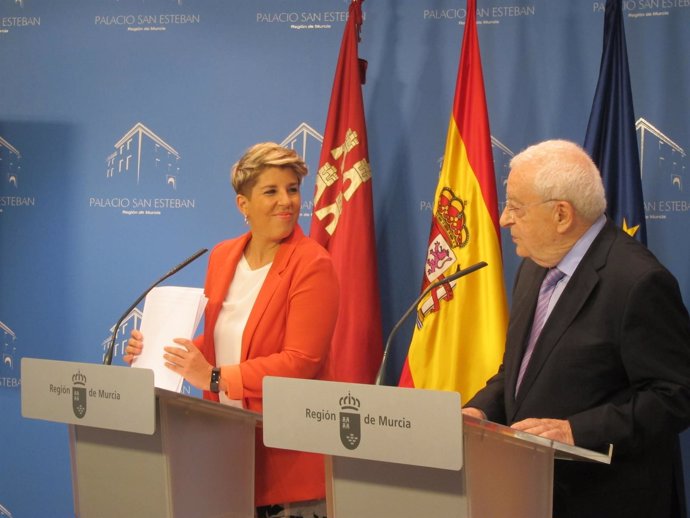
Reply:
x=350, y=422
x=344, y=179
x=79, y=394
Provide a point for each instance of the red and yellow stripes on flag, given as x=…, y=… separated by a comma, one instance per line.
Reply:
x=343, y=220
x=459, y=336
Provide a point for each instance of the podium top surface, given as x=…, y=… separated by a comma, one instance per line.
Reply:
x=201, y=405
x=385, y=423
x=562, y=451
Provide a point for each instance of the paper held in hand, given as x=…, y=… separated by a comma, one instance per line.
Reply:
x=169, y=312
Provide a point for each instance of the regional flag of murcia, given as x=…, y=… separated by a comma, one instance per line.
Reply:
x=343, y=220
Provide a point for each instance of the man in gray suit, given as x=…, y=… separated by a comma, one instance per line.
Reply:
x=598, y=343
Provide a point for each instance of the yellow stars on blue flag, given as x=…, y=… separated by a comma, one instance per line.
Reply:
x=631, y=231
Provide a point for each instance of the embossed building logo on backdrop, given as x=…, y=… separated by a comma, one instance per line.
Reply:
x=664, y=169
x=14, y=18
x=147, y=168
x=145, y=158
x=11, y=195
x=9, y=369
x=133, y=321
x=10, y=163
x=306, y=141
x=4, y=512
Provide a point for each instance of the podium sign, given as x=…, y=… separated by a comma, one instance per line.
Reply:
x=89, y=394
x=389, y=424
x=392, y=451
x=140, y=451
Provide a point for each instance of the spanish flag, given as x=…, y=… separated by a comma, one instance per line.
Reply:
x=460, y=331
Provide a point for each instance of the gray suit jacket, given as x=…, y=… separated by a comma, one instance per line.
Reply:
x=614, y=359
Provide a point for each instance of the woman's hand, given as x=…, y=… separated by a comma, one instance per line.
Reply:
x=134, y=346
x=188, y=361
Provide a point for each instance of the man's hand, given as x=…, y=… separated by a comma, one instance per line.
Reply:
x=474, y=412
x=555, y=429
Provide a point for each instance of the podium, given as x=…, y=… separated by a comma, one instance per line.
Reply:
x=140, y=451
x=421, y=457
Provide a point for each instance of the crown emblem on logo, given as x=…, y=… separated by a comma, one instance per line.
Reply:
x=79, y=394
x=450, y=214
x=79, y=379
x=350, y=425
x=349, y=403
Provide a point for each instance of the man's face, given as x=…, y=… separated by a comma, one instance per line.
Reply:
x=530, y=218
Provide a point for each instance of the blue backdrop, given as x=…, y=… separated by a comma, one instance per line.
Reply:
x=120, y=119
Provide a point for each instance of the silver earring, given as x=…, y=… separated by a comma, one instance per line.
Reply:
x=246, y=220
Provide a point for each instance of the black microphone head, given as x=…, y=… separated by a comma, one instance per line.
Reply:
x=466, y=271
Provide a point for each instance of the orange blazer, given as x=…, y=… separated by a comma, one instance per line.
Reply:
x=288, y=333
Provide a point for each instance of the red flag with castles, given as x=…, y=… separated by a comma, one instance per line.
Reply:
x=343, y=220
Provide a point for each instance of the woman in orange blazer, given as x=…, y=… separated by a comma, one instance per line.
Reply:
x=272, y=307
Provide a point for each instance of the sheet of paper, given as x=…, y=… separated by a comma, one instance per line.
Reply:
x=169, y=312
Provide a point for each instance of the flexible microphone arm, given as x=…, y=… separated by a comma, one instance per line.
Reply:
x=445, y=280
x=108, y=357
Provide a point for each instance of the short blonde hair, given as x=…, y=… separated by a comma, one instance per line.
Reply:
x=246, y=171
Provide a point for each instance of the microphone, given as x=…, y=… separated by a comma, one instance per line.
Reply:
x=108, y=357
x=432, y=286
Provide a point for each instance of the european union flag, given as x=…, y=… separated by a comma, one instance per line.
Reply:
x=611, y=140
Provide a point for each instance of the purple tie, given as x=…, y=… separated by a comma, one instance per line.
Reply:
x=547, y=286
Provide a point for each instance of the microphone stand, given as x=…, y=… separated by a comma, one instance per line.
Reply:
x=432, y=286
x=108, y=357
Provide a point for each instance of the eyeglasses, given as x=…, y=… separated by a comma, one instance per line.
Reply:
x=518, y=211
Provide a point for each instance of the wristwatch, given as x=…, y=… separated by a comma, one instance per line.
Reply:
x=215, y=380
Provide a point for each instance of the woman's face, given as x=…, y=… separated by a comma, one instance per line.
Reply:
x=272, y=207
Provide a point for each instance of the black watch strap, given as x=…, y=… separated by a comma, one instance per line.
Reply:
x=215, y=380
